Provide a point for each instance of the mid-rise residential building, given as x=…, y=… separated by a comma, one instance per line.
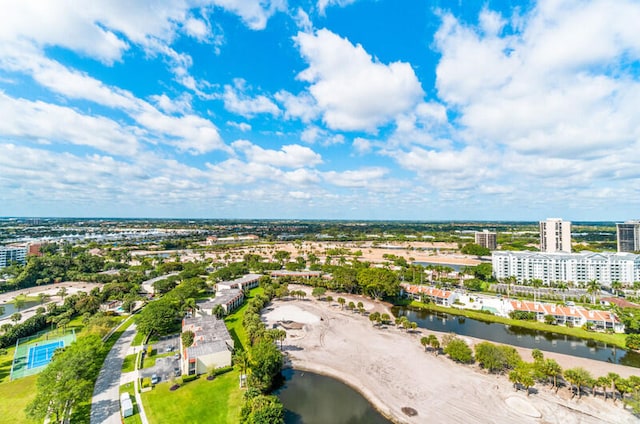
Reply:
x=9, y=254
x=486, y=238
x=555, y=235
x=212, y=345
x=604, y=267
x=628, y=235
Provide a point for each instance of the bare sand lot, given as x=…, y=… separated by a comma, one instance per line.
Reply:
x=391, y=369
x=437, y=252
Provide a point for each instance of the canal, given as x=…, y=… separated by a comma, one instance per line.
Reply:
x=316, y=399
x=517, y=336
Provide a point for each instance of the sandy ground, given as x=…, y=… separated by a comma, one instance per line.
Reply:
x=391, y=369
x=437, y=252
x=73, y=287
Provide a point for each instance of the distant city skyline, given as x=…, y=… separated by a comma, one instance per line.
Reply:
x=328, y=109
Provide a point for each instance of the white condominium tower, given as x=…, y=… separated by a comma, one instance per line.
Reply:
x=628, y=236
x=555, y=235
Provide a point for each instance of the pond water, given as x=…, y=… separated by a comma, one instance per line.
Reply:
x=455, y=267
x=311, y=398
x=516, y=336
x=10, y=309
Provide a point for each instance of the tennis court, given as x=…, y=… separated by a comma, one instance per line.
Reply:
x=33, y=353
x=41, y=354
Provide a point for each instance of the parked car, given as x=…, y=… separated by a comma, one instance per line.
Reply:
x=177, y=371
x=155, y=379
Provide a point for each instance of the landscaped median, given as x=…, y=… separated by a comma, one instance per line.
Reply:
x=610, y=339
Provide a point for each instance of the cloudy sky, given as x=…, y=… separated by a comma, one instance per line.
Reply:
x=340, y=109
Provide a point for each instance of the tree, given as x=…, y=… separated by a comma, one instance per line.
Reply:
x=603, y=382
x=475, y=249
x=593, y=288
x=62, y=292
x=616, y=286
x=385, y=318
x=266, y=363
x=612, y=376
x=341, y=301
x=351, y=306
x=16, y=317
x=158, y=316
x=459, y=351
x=551, y=369
x=219, y=311
x=424, y=341
x=577, y=377
x=536, y=283
x=187, y=338
x=262, y=409
x=378, y=282
x=374, y=317
x=496, y=358
x=522, y=375
x=19, y=303
x=318, y=292
x=43, y=297
x=67, y=380
x=434, y=343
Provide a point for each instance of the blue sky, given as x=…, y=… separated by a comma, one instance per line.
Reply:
x=337, y=109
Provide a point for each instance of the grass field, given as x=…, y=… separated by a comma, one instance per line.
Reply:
x=234, y=322
x=135, y=418
x=129, y=363
x=150, y=361
x=611, y=339
x=200, y=401
x=14, y=398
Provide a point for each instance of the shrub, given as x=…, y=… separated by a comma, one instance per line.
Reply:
x=223, y=370
x=146, y=382
x=459, y=351
x=188, y=378
x=633, y=341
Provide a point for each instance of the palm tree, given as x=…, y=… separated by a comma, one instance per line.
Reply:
x=593, y=287
x=616, y=286
x=424, y=341
x=612, y=376
x=603, y=382
x=341, y=301
x=577, y=377
x=536, y=283
x=563, y=288
x=552, y=369
x=434, y=343
x=62, y=292
x=509, y=281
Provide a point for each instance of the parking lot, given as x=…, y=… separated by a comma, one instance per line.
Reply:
x=168, y=366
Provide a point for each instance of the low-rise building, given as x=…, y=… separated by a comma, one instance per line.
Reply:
x=247, y=282
x=437, y=296
x=229, y=299
x=575, y=316
x=296, y=274
x=212, y=345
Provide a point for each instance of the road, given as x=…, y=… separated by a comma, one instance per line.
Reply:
x=148, y=285
x=105, y=405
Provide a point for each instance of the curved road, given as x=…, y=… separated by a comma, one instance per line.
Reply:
x=105, y=405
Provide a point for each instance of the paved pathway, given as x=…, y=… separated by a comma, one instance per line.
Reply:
x=105, y=405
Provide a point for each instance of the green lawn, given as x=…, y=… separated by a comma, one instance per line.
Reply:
x=129, y=363
x=14, y=398
x=135, y=418
x=234, y=322
x=200, y=401
x=611, y=339
x=137, y=339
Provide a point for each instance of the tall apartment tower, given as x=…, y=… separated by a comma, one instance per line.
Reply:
x=555, y=235
x=628, y=236
x=487, y=239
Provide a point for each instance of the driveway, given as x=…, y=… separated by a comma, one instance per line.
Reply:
x=164, y=368
x=105, y=405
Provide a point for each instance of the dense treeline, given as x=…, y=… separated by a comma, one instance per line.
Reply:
x=264, y=360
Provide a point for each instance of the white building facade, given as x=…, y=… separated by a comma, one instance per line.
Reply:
x=9, y=254
x=582, y=267
x=555, y=235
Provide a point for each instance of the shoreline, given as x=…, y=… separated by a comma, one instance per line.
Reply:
x=391, y=370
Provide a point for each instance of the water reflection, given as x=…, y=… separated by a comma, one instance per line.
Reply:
x=310, y=398
x=518, y=336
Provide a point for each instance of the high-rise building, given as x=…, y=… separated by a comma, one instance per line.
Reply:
x=486, y=238
x=555, y=235
x=9, y=254
x=628, y=236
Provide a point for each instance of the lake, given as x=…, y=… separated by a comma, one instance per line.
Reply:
x=516, y=336
x=10, y=309
x=311, y=398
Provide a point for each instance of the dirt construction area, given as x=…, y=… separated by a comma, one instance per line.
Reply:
x=393, y=371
